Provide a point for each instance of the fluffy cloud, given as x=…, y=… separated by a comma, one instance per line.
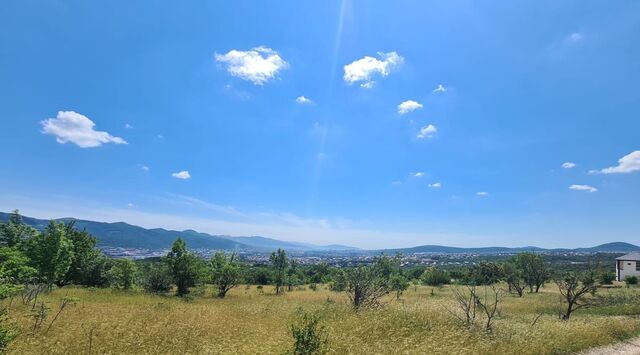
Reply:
x=184, y=175
x=627, y=164
x=482, y=193
x=365, y=69
x=427, y=131
x=257, y=65
x=408, y=106
x=583, y=188
x=419, y=174
x=303, y=100
x=69, y=126
x=435, y=185
x=568, y=165
x=440, y=88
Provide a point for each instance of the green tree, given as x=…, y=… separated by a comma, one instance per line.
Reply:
x=533, y=269
x=14, y=266
x=122, y=274
x=280, y=262
x=51, y=253
x=309, y=336
x=156, y=277
x=577, y=291
x=433, y=276
x=514, y=278
x=485, y=273
x=183, y=267
x=225, y=272
x=14, y=233
x=398, y=284
x=85, y=256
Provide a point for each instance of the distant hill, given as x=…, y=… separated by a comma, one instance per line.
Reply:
x=124, y=235
x=615, y=247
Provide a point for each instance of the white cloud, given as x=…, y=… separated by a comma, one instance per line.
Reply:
x=482, y=193
x=408, y=106
x=427, y=131
x=131, y=205
x=303, y=100
x=419, y=174
x=435, y=185
x=396, y=183
x=568, y=165
x=184, y=175
x=627, y=164
x=128, y=126
x=574, y=37
x=583, y=188
x=69, y=126
x=257, y=65
x=440, y=88
x=365, y=69
x=160, y=136
x=144, y=167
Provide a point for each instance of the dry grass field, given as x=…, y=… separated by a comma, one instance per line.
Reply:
x=248, y=321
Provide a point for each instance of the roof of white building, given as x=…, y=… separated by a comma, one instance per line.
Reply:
x=631, y=256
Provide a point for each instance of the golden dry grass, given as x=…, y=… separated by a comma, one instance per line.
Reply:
x=248, y=322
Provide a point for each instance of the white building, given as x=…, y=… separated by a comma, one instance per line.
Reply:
x=628, y=265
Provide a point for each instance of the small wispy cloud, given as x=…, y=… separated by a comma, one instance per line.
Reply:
x=408, y=106
x=183, y=175
x=364, y=70
x=439, y=89
x=582, y=188
x=396, y=183
x=627, y=164
x=427, y=131
x=303, y=100
x=128, y=126
x=568, y=165
x=574, y=37
x=482, y=193
x=257, y=65
x=418, y=174
x=144, y=167
x=435, y=185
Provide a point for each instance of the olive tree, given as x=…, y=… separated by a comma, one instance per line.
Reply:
x=576, y=291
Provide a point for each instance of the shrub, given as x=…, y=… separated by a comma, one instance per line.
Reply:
x=122, y=274
x=309, y=337
x=435, y=277
x=631, y=280
x=606, y=278
x=156, y=278
x=6, y=333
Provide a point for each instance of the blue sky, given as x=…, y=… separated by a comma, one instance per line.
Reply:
x=352, y=122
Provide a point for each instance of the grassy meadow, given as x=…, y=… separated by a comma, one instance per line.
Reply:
x=254, y=321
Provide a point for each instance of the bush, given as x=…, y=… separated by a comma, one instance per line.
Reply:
x=435, y=277
x=631, y=280
x=122, y=274
x=156, y=278
x=309, y=337
x=6, y=333
x=606, y=278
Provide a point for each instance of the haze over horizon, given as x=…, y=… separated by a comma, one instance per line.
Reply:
x=369, y=125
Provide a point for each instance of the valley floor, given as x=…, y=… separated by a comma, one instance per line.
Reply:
x=254, y=321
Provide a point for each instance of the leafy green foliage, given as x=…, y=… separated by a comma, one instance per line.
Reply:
x=309, y=337
x=225, y=272
x=533, y=270
x=183, y=266
x=631, y=280
x=156, y=277
x=435, y=277
x=122, y=274
x=280, y=263
x=51, y=253
x=15, y=233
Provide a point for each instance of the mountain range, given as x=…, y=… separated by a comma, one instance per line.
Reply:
x=124, y=235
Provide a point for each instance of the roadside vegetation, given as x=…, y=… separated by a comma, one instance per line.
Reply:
x=60, y=295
